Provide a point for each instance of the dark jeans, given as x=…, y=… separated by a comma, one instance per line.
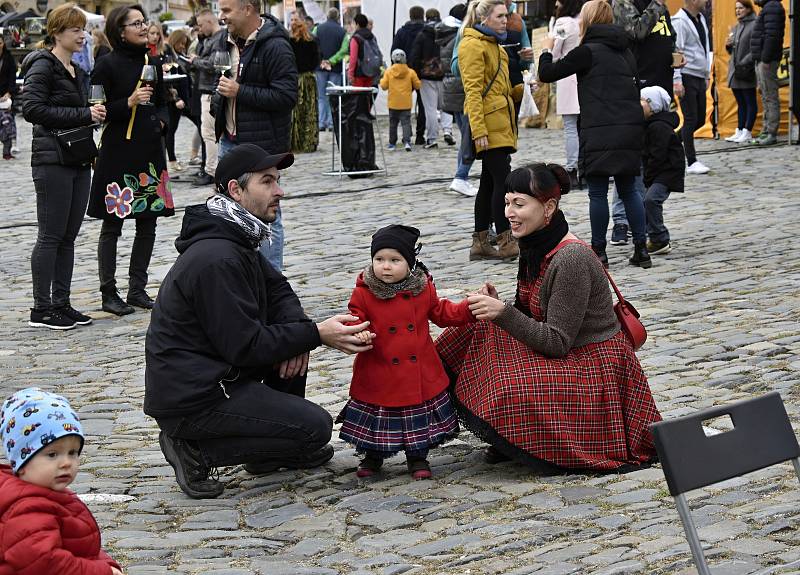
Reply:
x=143, y=243
x=598, y=208
x=61, y=197
x=174, y=120
x=260, y=422
x=693, y=106
x=490, y=201
x=654, y=200
x=420, y=131
x=403, y=117
x=7, y=147
x=747, y=107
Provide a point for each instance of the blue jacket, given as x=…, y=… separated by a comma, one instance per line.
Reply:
x=330, y=35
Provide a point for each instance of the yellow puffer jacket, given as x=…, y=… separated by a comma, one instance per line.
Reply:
x=493, y=115
x=400, y=80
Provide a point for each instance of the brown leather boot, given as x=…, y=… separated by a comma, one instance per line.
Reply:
x=481, y=248
x=507, y=247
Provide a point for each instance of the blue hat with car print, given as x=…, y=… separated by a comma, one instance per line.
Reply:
x=32, y=418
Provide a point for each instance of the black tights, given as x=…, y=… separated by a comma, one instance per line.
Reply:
x=490, y=201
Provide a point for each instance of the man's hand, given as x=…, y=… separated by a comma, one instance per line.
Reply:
x=180, y=104
x=482, y=143
x=228, y=87
x=677, y=87
x=485, y=307
x=293, y=367
x=526, y=54
x=334, y=333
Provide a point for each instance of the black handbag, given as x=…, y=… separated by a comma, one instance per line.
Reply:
x=75, y=147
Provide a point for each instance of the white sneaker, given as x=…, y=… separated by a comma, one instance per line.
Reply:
x=735, y=137
x=746, y=136
x=698, y=168
x=14, y=149
x=462, y=187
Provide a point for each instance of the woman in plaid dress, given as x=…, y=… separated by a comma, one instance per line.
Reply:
x=550, y=379
x=398, y=395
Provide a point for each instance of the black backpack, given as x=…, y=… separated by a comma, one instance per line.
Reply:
x=370, y=58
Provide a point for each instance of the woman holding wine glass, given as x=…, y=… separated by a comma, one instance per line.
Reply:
x=54, y=100
x=130, y=178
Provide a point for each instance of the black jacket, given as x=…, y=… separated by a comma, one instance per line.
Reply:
x=663, y=158
x=267, y=92
x=766, y=44
x=203, y=64
x=52, y=99
x=306, y=54
x=222, y=312
x=331, y=35
x=452, y=88
x=8, y=73
x=612, y=121
x=405, y=36
x=426, y=50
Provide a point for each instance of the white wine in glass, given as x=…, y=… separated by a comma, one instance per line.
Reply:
x=97, y=94
x=222, y=62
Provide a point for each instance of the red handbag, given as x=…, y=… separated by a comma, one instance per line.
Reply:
x=627, y=315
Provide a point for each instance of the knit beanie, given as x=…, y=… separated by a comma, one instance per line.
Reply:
x=398, y=56
x=657, y=97
x=32, y=418
x=397, y=237
x=459, y=11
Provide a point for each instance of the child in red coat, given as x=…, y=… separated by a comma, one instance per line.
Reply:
x=398, y=394
x=44, y=527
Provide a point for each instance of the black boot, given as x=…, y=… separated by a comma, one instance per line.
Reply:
x=640, y=256
x=112, y=303
x=139, y=298
x=191, y=472
x=600, y=252
x=574, y=181
x=305, y=461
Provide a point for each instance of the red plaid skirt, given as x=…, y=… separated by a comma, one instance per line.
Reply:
x=588, y=410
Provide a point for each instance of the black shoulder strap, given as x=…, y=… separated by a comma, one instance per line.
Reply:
x=499, y=64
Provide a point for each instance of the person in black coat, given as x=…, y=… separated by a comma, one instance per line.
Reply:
x=8, y=72
x=664, y=164
x=766, y=45
x=255, y=104
x=130, y=178
x=404, y=40
x=227, y=349
x=54, y=99
x=611, y=120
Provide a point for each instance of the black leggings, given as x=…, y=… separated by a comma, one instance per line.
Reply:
x=174, y=119
x=258, y=422
x=143, y=243
x=490, y=201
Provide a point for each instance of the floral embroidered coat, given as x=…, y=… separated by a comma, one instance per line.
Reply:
x=130, y=178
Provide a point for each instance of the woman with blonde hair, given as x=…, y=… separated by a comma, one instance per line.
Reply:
x=54, y=101
x=489, y=105
x=611, y=119
x=305, y=133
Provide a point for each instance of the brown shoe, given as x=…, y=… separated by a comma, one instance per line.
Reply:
x=508, y=249
x=481, y=248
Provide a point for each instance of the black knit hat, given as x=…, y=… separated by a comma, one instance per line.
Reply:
x=397, y=237
x=459, y=11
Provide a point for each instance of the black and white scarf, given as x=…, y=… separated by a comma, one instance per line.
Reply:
x=230, y=210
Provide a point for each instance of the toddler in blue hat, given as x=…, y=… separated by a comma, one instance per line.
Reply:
x=46, y=528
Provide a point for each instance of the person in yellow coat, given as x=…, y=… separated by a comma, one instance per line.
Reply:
x=400, y=80
x=489, y=105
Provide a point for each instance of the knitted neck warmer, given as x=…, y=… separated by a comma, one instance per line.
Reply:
x=414, y=283
x=536, y=245
x=229, y=210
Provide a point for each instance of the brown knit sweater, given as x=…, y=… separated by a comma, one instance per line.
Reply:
x=576, y=303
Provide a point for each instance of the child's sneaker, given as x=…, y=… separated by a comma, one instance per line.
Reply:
x=8, y=157
x=407, y=146
x=391, y=147
x=419, y=468
x=369, y=466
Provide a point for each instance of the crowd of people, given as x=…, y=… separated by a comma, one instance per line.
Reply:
x=549, y=379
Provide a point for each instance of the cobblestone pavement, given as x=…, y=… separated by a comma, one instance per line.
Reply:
x=722, y=310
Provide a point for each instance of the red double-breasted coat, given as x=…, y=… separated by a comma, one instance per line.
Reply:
x=403, y=367
x=46, y=531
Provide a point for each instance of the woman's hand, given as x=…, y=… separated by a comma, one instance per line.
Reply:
x=488, y=289
x=548, y=42
x=180, y=104
x=482, y=143
x=485, y=307
x=526, y=54
x=140, y=96
x=98, y=112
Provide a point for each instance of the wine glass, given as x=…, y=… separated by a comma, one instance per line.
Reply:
x=97, y=95
x=222, y=62
x=149, y=78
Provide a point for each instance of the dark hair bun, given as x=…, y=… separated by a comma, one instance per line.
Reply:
x=562, y=177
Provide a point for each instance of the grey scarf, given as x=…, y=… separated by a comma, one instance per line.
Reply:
x=414, y=283
x=227, y=209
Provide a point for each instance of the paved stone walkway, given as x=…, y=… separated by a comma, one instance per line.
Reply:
x=723, y=315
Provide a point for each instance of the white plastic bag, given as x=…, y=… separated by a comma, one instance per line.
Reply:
x=528, y=107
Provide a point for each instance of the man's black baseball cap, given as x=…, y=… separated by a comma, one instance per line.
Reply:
x=246, y=158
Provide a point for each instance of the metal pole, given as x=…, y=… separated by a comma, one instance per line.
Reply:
x=691, y=535
x=792, y=81
x=394, y=19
